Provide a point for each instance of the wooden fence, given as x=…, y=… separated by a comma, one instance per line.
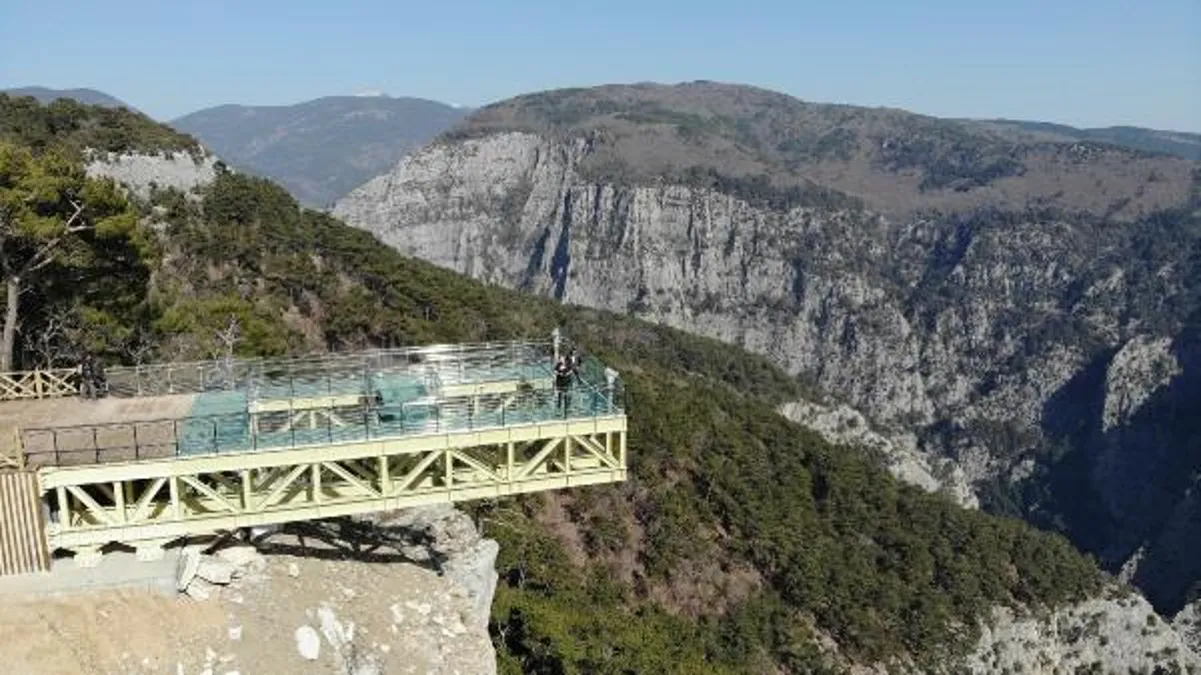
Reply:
x=31, y=384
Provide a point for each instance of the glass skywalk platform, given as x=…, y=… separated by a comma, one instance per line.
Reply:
x=240, y=406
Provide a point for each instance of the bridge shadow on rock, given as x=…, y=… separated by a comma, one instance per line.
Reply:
x=352, y=539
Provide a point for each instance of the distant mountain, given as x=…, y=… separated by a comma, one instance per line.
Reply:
x=1178, y=143
x=321, y=149
x=85, y=96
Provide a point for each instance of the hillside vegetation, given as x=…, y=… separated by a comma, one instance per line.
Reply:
x=67, y=124
x=739, y=539
x=895, y=161
x=82, y=95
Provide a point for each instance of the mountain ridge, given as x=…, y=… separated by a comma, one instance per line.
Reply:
x=82, y=94
x=1184, y=144
x=897, y=162
x=322, y=155
x=322, y=148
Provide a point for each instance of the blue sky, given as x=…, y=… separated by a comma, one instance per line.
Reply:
x=1083, y=63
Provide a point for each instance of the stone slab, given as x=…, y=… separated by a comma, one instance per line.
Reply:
x=117, y=570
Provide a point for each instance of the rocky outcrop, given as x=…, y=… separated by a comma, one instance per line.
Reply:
x=1187, y=623
x=1106, y=635
x=139, y=172
x=201, y=576
x=1141, y=367
x=843, y=425
x=1021, y=350
x=436, y=617
x=446, y=539
x=827, y=293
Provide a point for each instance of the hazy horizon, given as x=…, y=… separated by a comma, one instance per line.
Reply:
x=1083, y=64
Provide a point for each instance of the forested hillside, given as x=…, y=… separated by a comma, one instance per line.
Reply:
x=82, y=95
x=740, y=538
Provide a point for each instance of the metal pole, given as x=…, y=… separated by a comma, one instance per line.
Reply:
x=611, y=380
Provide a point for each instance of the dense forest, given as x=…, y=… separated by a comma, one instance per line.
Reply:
x=740, y=537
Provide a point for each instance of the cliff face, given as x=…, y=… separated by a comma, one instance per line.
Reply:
x=142, y=171
x=1040, y=361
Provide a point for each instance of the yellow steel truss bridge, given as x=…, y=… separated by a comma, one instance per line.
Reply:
x=178, y=450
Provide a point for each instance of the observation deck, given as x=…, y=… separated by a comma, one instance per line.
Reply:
x=182, y=449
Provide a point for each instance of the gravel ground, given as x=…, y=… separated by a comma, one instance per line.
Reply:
x=362, y=618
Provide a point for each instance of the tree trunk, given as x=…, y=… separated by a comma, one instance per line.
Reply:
x=8, y=341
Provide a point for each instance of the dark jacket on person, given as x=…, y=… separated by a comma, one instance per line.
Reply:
x=563, y=374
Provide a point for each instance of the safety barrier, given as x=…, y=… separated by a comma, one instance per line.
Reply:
x=322, y=374
x=291, y=427
x=34, y=384
x=302, y=376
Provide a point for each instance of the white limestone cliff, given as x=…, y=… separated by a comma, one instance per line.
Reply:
x=1105, y=635
x=139, y=171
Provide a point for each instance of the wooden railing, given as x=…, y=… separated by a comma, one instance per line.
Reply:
x=32, y=384
x=12, y=449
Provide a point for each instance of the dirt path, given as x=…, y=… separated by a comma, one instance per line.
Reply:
x=107, y=632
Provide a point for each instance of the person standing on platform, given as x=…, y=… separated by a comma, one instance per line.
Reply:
x=564, y=373
x=91, y=377
x=99, y=381
x=87, y=369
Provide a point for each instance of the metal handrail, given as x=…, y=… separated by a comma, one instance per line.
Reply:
x=216, y=375
x=355, y=374
x=189, y=436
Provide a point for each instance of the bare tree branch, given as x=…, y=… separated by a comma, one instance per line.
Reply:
x=182, y=346
x=138, y=346
x=54, y=343
x=228, y=338
x=44, y=255
x=226, y=342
